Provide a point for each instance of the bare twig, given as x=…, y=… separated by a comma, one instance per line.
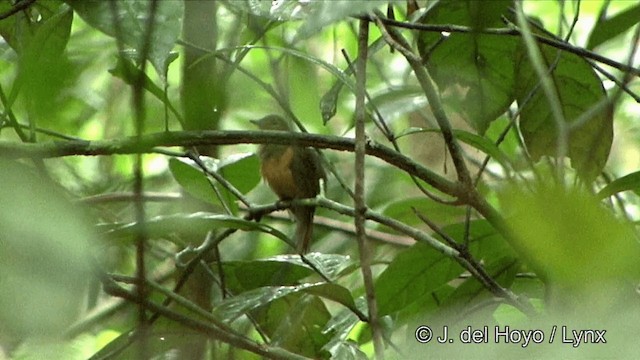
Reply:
x=359, y=200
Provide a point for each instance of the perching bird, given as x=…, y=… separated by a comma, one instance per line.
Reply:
x=292, y=172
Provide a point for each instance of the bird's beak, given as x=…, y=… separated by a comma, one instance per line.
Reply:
x=255, y=122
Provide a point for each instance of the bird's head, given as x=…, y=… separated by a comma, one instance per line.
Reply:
x=272, y=122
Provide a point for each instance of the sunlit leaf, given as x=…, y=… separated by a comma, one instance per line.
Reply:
x=572, y=241
x=627, y=182
x=242, y=170
x=193, y=180
x=608, y=29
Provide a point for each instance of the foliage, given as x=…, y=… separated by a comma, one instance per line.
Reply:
x=507, y=194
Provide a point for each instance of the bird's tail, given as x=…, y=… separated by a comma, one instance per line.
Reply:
x=304, y=227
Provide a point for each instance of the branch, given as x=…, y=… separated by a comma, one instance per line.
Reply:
x=150, y=143
x=22, y=5
x=364, y=249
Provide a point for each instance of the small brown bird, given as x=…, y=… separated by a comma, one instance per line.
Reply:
x=292, y=172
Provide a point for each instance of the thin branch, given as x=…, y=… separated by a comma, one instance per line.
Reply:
x=515, y=32
x=396, y=41
x=364, y=249
x=19, y=6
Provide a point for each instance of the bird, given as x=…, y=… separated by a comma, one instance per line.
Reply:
x=292, y=172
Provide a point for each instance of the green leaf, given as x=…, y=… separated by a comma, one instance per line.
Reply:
x=573, y=242
x=579, y=89
x=340, y=326
x=296, y=322
x=43, y=68
x=608, y=29
x=474, y=71
x=242, y=170
x=132, y=17
x=126, y=71
x=44, y=255
x=279, y=271
x=627, y=182
x=403, y=209
x=193, y=180
x=195, y=224
x=414, y=274
x=232, y=308
x=485, y=243
x=503, y=270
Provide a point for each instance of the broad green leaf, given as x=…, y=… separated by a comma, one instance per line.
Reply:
x=132, y=17
x=474, y=71
x=45, y=26
x=503, y=270
x=573, y=242
x=286, y=269
x=340, y=326
x=232, y=308
x=44, y=255
x=242, y=170
x=296, y=322
x=414, y=274
x=627, y=182
x=264, y=272
x=193, y=180
x=579, y=89
x=608, y=29
x=484, y=242
x=43, y=68
x=195, y=224
x=403, y=210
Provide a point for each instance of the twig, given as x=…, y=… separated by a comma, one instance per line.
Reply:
x=396, y=41
x=359, y=201
x=19, y=6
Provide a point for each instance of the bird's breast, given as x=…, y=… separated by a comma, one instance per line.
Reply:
x=276, y=170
